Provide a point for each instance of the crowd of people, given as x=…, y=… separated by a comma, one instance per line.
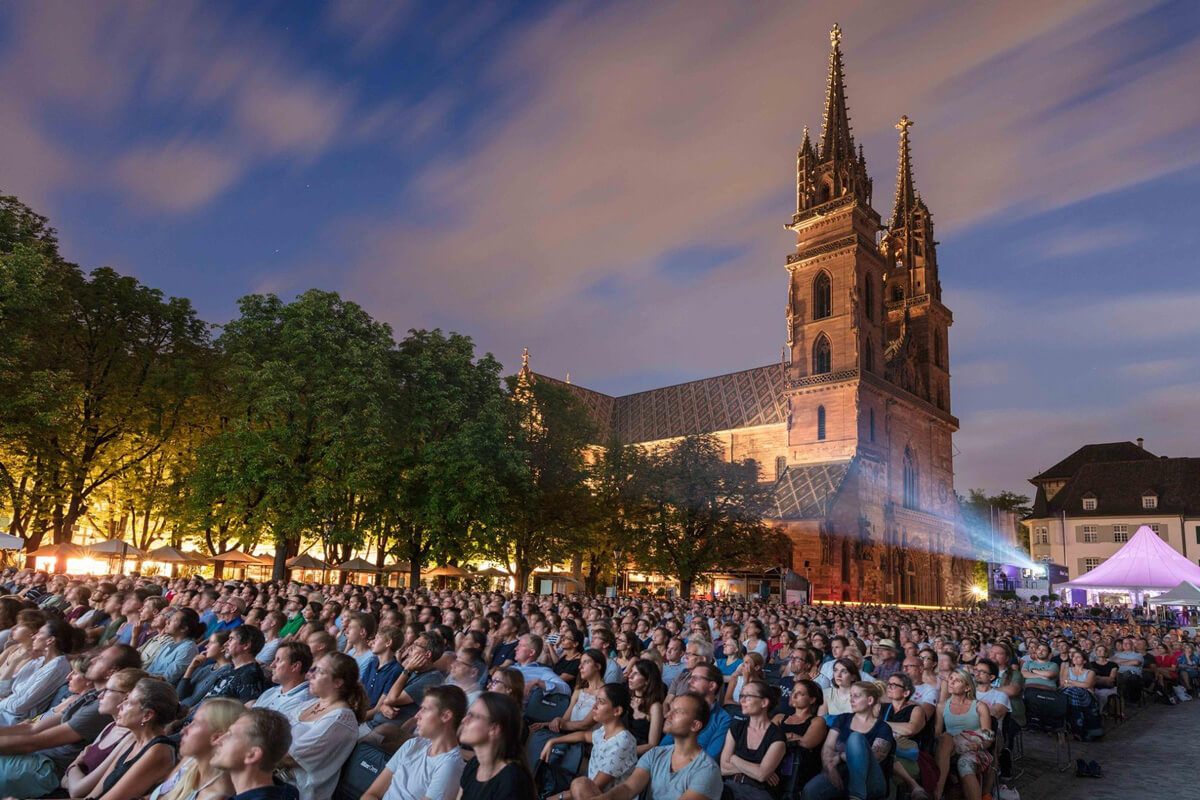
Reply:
x=198, y=689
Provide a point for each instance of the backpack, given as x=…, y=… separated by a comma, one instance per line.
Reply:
x=363, y=766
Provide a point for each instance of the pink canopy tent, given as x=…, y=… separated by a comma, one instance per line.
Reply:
x=1146, y=562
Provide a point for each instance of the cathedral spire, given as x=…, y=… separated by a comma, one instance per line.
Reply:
x=837, y=143
x=906, y=196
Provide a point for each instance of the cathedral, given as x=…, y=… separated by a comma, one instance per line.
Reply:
x=853, y=426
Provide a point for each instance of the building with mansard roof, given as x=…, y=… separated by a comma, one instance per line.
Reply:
x=854, y=425
x=1088, y=505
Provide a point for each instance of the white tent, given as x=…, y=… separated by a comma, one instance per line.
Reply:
x=1185, y=594
x=1144, y=563
x=11, y=542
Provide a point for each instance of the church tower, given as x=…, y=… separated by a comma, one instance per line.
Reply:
x=917, y=322
x=868, y=382
x=835, y=317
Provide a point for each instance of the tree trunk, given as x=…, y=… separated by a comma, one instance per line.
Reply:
x=685, y=589
x=415, y=556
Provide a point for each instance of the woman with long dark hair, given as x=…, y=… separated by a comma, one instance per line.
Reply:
x=648, y=695
x=614, y=750
x=804, y=731
x=754, y=746
x=492, y=728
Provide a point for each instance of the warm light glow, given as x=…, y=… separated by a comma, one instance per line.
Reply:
x=76, y=566
x=979, y=591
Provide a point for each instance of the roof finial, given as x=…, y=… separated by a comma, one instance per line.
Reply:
x=525, y=359
x=836, y=140
x=906, y=197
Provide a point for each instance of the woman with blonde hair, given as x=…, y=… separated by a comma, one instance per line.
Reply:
x=964, y=729
x=195, y=778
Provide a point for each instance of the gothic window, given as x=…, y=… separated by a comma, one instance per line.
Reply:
x=821, y=422
x=941, y=398
x=869, y=297
x=869, y=356
x=897, y=293
x=937, y=349
x=822, y=295
x=871, y=427
x=780, y=466
x=822, y=357
x=912, y=497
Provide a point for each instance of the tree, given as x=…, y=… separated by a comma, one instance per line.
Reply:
x=619, y=503
x=97, y=372
x=545, y=507
x=447, y=447
x=703, y=511
x=306, y=384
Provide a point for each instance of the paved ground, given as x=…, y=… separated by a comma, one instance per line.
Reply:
x=1152, y=755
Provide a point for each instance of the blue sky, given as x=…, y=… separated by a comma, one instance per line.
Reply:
x=606, y=183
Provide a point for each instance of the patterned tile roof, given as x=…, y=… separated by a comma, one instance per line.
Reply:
x=807, y=491
x=738, y=400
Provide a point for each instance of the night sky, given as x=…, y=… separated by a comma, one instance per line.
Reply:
x=607, y=183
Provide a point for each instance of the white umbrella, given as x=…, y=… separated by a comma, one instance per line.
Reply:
x=11, y=542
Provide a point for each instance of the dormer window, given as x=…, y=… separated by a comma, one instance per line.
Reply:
x=1089, y=502
x=1149, y=501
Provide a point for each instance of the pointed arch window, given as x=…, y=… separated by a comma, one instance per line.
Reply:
x=821, y=423
x=871, y=423
x=869, y=355
x=937, y=349
x=897, y=293
x=822, y=295
x=912, y=498
x=822, y=356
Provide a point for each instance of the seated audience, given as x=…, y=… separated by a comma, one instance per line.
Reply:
x=324, y=733
x=754, y=746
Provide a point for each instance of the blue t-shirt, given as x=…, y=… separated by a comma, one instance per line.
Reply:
x=377, y=680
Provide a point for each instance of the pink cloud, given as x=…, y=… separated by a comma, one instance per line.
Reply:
x=178, y=176
x=637, y=130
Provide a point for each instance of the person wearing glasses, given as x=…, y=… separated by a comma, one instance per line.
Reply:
x=910, y=727
x=754, y=746
x=84, y=773
x=706, y=682
x=698, y=651
x=491, y=728
x=324, y=733
x=35, y=754
x=467, y=671
x=923, y=693
x=150, y=755
x=417, y=674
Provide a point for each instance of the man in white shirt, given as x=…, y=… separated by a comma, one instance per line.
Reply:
x=529, y=649
x=288, y=669
x=428, y=766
